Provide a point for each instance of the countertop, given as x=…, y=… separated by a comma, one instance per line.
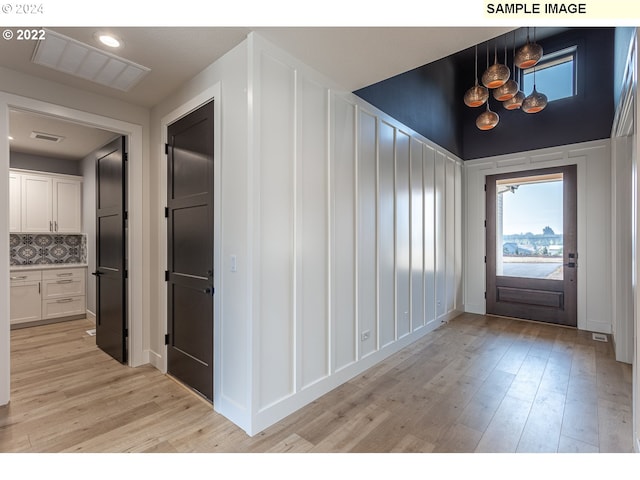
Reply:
x=45, y=266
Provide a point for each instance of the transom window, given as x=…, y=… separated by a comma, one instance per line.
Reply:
x=555, y=75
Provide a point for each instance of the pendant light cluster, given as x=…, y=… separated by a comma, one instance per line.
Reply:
x=505, y=89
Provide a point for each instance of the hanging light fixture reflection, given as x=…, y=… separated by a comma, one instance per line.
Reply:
x=487, y=119
x=476, y=95
x=529, y=54
x=497, y=74
x=536, y=101
x=510, y=87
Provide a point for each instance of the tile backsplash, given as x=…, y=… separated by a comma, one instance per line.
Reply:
x=42, y=248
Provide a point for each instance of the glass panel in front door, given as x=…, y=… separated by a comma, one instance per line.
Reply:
x=529, y=227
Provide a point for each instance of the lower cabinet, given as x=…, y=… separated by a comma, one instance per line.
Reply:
x=47, y=294
x=25, y=297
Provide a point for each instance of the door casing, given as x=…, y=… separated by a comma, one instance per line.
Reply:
x=136, y=312
x=565, y=290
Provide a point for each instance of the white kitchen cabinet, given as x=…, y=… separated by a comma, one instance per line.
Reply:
x=63, y=292
x=15, y=201
x=36, y=207
x=67, y=211
x=49, y=203
x=25, y=297
x=47, y=294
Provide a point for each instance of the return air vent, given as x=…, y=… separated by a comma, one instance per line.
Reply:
x=49, y=137
x=81, y=60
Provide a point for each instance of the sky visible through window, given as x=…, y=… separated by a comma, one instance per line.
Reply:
x=555, y=82
x=532, y=208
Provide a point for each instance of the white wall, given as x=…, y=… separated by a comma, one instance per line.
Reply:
x=330, y=209
x=358, y=231
x=635, y=208
x=233, y=228
x=593, y=160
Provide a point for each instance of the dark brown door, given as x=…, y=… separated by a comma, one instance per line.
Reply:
x=111, y=266
x=190, y=250
x=531, y=245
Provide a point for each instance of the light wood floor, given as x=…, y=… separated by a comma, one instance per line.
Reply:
x=477, y=384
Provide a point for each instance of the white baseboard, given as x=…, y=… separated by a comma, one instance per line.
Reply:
x=91, y=316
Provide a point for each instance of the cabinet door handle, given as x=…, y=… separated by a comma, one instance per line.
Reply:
x=21, y=277
x=50, y=226
x=64, y=281
x=55, y=225
x=68, y=274
x=64, y=300
x=39, y=288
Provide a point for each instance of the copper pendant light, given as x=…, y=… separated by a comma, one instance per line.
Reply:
x=497, y=74
x=529, y=54
x=487, y=119
x=536, y=101
x=476, y=95
x=514, y=102
x=510, y=88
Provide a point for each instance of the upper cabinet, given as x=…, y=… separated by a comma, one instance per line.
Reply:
x=46, y=203
x=67, y=209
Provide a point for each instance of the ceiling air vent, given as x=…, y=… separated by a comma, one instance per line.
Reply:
x=46, y=136
x=81, y=60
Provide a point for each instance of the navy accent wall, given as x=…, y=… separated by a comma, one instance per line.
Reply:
x=428, y=99
x=425, y=99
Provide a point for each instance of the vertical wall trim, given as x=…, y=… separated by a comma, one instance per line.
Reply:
x=377, y=229
x=5, y=343
x=329, y=284
x=254, y=260
x=296, y=231
x=395, y=235
x=356, y=239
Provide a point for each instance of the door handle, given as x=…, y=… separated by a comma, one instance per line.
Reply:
x=97, y=273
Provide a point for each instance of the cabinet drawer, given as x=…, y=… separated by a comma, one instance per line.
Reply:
x=26, y=276
x=63, y=307
x=63, y=287
x=62, y=273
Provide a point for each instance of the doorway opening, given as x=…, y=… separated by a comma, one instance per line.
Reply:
x=135, y=248
x=57, y=179
x=531, y=245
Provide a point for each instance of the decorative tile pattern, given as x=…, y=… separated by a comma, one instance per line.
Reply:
x=38, y=249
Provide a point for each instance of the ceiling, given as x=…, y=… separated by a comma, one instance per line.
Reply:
x=353, y=57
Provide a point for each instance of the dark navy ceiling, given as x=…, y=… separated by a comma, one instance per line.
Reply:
x=428, y=99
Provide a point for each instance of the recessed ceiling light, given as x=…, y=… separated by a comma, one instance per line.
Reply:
x=109, y=40
x=10, y=137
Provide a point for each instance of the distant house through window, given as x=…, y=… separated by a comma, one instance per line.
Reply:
x=555, y=75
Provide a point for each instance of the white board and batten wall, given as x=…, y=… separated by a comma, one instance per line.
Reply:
x=340, y=234
x=357, y=249
x=593, y=160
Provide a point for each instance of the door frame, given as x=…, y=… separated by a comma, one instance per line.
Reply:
x=135, y=243
x=474, y=192
x=211, y=93
x=570, y=218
